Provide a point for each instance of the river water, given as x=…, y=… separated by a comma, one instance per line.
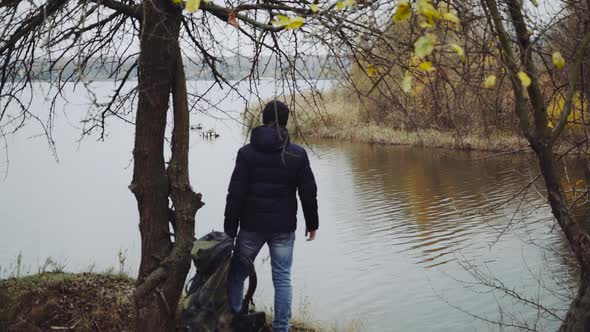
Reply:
x=407, y=235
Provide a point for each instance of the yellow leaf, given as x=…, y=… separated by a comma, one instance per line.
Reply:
x=295, y=23
x=426, y=24
x=340, y=5
x=315, y=8
x=427, y=10
x=549, y=124
x=407, y=83
x=280, y=20
x=490, y=82
x=580, y=182
x=558, y=60
x=349, y=3
x=443, y=8
x=424, y=45
x=288, y=23
x=415, y=61
x=193, y=5
x=402, y=12
x=578, y=108
x=426, y=66
x=177, y=1
x=371, y=71
x=459, y=50
x=524, y=78
x=451, y=18
x=535, y=3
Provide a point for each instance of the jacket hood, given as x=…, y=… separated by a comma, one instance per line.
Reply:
x=269, y=138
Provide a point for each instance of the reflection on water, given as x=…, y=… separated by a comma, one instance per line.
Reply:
x=398, y=225
x=429, y=202
x=411, y=221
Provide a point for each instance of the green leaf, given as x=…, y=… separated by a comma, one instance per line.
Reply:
x=315, y=8
x=424, y=45
x=340, y=5
x=535, y=3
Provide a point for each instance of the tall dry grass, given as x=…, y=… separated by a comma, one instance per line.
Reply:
x=340, y=114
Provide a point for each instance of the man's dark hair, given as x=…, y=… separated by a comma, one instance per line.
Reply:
x=275, y=112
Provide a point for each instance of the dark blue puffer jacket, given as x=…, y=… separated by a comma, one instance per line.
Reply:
x=268, y=172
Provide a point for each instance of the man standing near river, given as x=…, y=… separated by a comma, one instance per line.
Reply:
x=261, y=200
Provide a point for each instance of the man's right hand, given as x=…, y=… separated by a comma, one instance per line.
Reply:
x=310, y=235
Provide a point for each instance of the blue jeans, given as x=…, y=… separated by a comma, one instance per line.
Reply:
x=280, y=246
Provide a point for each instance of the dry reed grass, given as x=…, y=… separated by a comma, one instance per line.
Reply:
x=337, y=114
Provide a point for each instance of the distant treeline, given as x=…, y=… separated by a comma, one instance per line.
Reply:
x=231, y=68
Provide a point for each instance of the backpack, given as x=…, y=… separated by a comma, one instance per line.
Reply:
x=206, y=306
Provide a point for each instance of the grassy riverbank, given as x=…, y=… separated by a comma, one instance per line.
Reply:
x=340, y=115
x=80, y=302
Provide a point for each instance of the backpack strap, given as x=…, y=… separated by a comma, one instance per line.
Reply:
x=252, y=281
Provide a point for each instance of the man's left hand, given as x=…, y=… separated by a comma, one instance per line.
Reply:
x=310, y=235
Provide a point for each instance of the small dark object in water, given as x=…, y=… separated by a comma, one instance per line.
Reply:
x=197, y=127
x=210, y=134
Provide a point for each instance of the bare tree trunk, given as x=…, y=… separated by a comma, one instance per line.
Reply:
x=578, y=316
x=542, y=139
x=186, y=202
x=164, y=264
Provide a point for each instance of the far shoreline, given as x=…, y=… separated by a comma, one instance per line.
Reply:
x=433, y=139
